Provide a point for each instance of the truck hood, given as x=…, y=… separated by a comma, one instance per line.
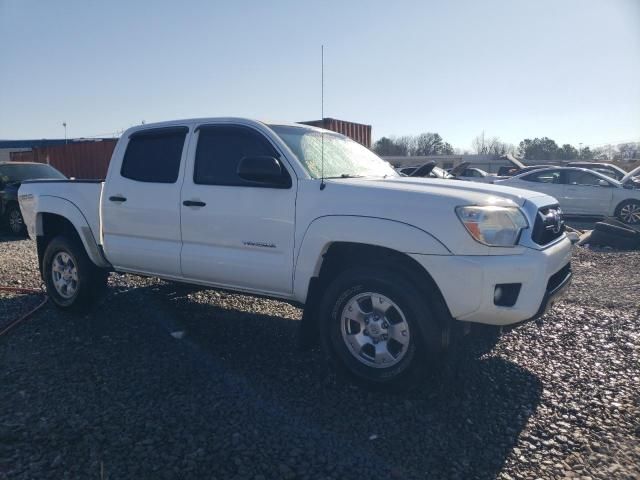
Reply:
x=468, y=193
x=425, y=203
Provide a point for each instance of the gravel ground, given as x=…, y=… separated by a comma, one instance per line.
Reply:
x=113, y=395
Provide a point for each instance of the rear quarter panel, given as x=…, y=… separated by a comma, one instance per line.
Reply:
x=77, y=201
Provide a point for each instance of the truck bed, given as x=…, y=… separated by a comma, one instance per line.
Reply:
x=84, y=195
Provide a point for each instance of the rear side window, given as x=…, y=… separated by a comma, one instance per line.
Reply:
x=220, y=149
x=154, y=155
x=545, y=176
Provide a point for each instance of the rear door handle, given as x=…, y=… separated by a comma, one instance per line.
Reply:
x=193, y=203
x=117, y=198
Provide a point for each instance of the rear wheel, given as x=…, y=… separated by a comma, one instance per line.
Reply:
x=72, y=280
x=629, y=212
x=15, y=221
x=373, y=325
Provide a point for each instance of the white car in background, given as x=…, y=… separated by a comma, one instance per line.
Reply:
x=473, y=174
x=586, y=192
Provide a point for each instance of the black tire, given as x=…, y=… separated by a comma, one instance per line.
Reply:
x=607, y=239
x=623, y=232
x=418, y=354
x=615, y=221
x=15, y=222
x=622, y=212
x=90, y=280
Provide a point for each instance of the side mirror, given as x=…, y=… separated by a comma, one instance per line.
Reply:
x=603, y=183
x=265, y=171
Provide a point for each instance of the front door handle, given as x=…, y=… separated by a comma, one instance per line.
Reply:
x=193, y=203
x=117, y=198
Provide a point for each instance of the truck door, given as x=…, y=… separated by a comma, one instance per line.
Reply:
x=141, y=202
x=237, y=232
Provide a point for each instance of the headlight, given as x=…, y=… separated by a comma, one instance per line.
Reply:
x=492, y=225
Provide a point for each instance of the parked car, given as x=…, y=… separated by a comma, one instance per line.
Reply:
x=585, y=192
x=12, y=174
x=387, y=267
x=473, y=174
x=429, y=170
x=608, y=169
x=513, y=171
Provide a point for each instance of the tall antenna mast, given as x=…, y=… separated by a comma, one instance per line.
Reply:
x=322, y=184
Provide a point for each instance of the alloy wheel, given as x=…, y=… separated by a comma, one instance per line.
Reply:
x=630, y=213
x=15, y=221
x=375, y=330
x=65, y=275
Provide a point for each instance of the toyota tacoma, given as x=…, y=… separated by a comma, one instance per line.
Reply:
x=384, y=265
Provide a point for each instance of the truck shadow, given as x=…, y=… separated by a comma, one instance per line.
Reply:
x=463, y=424
x=15, y=305
x=7, y=237
x=234, y=397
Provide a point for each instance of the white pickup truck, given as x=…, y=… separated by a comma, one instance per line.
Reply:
x=385, y=266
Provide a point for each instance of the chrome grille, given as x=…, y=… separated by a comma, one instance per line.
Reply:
x=548, y=226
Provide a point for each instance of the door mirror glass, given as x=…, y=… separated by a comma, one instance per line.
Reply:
x=265, y=170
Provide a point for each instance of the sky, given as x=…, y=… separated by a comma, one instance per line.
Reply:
x=566, y=69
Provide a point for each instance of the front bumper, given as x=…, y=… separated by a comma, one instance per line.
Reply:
x=467, y=283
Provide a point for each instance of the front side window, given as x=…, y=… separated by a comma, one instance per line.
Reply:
x=154, y=155
x=611, y=173
x=576, y=177
x=545, y=176
x=220, y=150
x=342, y=157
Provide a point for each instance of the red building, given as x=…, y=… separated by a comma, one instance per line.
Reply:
x=359, y=132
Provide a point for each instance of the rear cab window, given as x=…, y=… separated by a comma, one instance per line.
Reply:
x=154, y=155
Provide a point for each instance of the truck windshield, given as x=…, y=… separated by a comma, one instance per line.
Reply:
x=343, y=157
x=19, y=173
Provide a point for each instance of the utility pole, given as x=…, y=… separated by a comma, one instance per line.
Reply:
x=580, y=151
x=64, y=124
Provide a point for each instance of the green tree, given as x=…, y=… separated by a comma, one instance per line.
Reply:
x=538, y=149
x=388, y=146
x=567, y=152
x=408, y=145
x=586, y=154
x=431, y=144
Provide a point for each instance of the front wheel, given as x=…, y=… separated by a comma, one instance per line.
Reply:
x=72, y=280
x=373, y=325
x=629, y=212
x=15, y=221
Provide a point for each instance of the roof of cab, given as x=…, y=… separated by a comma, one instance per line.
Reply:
x=191, y=121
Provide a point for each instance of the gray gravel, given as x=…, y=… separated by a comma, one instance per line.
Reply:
x=113, y=395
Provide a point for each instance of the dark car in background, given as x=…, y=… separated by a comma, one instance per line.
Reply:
x=12, y=174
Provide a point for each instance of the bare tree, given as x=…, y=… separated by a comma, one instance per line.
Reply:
x=483, y=145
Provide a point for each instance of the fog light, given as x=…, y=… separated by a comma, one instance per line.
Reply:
x=506, y=294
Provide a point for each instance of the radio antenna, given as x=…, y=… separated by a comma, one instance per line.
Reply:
x=322, y=184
